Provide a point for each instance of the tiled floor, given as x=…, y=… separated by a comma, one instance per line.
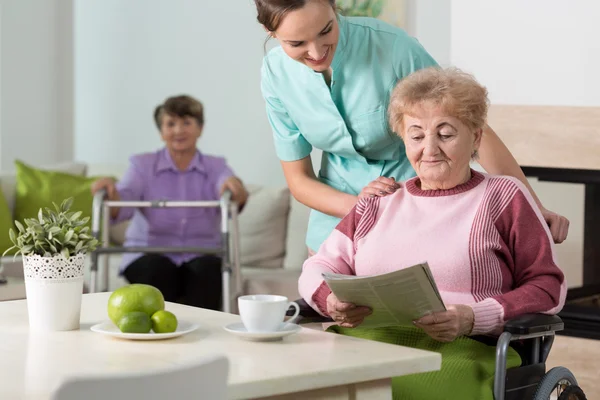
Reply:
x=582, y=357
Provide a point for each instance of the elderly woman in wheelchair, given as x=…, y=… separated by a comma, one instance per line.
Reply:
x=177, y=172
x=486, y=242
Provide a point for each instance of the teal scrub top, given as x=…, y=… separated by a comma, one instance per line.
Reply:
x=347, y=121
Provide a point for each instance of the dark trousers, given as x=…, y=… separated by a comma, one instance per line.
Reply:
x=197, y=282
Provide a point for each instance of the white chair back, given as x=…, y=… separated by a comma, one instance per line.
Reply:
x=206, y=379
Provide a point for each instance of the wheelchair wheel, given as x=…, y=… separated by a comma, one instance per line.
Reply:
x=572, y=393
x=559, y=384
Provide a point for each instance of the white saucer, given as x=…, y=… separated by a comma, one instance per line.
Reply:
x=110, y=329
x=238, y=329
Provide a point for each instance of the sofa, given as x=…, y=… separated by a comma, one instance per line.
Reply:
x=272, y=230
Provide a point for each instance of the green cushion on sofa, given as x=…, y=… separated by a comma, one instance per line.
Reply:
x=6, y=222
x=37, y=188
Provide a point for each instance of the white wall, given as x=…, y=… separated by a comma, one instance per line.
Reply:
x=130, y=55
x=536, y=52
x=35, y=81
x=543, y=52
x=429, y=22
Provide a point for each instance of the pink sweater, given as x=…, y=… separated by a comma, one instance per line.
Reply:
x=486, y=243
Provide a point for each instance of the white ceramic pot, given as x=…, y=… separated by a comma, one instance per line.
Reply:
x=54, y=286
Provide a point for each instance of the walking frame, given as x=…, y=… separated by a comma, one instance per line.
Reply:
x=229, y=250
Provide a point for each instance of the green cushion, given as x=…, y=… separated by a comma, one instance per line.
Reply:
x=6, y=222
x=37, y=188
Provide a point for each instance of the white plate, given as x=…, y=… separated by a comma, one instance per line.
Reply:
x=238, y=329
x=110, y=329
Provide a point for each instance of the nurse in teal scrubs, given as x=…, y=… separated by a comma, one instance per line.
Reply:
x=327, y=86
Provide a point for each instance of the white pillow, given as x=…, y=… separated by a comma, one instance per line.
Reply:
x=296, y=250
x=263, y=227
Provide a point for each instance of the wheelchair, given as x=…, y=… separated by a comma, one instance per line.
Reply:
x=531, y=336
x=229, y=250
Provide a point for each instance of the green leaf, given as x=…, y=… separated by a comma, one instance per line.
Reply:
x=66, y=205
x=78, y=246
x=20, y=227
x=9, y=249
x=65, y=252
x=12, y=236
x=69, y=235
x=41, y=216
x=75, y=216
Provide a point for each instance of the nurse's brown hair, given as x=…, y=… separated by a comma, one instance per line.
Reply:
x=272, y=12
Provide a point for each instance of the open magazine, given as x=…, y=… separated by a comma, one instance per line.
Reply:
x=396, y=298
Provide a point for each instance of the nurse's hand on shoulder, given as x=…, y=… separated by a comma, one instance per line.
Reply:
x=380, y=187
x=239, y=194
x=559, y=225
x=347, y=315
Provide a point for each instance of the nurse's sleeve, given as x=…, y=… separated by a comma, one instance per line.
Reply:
x=290, y=144
x=410, y=56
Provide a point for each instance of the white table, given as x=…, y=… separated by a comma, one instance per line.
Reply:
x=323, y=365
x=13, y=289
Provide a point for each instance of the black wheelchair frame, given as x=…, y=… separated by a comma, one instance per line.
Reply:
x=531, y=335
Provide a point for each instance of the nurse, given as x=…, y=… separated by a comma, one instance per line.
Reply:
x=328, y=86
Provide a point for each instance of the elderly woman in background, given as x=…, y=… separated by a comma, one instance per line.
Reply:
x=486, y=242
x=178, y=171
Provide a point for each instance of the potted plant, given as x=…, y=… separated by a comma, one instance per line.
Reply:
x=53, y=247
x=361, y=8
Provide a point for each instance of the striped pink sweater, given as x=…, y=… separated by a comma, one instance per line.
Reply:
x=485, y=241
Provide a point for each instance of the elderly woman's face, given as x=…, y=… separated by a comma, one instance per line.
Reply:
x=180, y=134
x=439, y=147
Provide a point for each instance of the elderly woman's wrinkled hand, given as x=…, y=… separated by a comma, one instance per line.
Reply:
x=109, y=184
x=380, y=187
x=239, y=194
x=448, y=325
x=347, y=315
x=559, y=225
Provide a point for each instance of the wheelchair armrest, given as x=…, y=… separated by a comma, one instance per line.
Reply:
x=307, y=312
x=534, y=323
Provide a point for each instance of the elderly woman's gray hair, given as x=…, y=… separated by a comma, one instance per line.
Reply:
x=459, y=94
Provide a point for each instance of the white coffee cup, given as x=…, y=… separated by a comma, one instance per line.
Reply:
x=265, y=312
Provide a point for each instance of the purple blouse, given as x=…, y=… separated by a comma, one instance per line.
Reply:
x=154, y=176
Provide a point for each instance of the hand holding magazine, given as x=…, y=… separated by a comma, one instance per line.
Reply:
x=396, y=298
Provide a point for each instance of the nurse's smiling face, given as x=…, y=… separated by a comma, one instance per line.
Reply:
x=310, y=34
